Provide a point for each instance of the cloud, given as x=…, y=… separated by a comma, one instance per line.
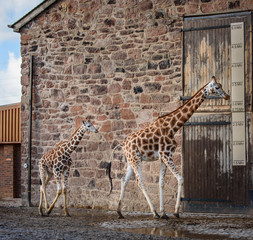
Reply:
x=10, y=12
x=10, y=87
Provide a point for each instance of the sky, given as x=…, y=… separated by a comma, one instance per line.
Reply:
x=10, y=60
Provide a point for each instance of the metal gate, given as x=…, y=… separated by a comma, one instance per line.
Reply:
x=211, y=180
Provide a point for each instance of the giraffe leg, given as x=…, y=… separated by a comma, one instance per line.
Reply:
x=48, y=178
x=161, y=187
x=123, y=186
x=42, y=190
x=59, y=191
x=180, y=184
x=45, y=178
x=64, y=191
x=170, y=164
x=138, y=174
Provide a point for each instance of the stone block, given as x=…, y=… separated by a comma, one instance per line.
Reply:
x=94, y=68
x=127, y=114
x=114, y=88
x=82, y=99
x=98, y=90
x=106, y=127
x=79, y=69
x=92, y=146
x=117, y=99
x=146, y=5
x=151, y=87
x=117, y=125
x=120, y=55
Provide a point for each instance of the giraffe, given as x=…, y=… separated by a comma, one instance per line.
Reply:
x=156, y=142
x=57, y=163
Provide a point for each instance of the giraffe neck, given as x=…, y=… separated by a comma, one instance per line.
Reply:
x=190, y=107
x=75, y=139
x=176, y=119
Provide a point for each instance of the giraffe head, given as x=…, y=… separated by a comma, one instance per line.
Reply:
x=214, y=88
x=89, y=126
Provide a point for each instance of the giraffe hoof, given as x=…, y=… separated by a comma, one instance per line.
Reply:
x=67, y=215
x=156, y=215
x=48, y=212
x=164, y=216
x=120, y=215
x=176, y=215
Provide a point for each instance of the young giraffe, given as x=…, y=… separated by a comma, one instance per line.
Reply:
x=156, y=142
x=57, y=162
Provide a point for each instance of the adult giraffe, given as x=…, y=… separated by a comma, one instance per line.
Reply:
x=57, y=163
x=156, y=142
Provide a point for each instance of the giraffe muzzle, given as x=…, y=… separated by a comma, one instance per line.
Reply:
x=227, y=97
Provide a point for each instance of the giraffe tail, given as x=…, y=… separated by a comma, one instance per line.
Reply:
x=108, y=168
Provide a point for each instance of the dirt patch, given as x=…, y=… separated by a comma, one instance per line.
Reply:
x=25, y=223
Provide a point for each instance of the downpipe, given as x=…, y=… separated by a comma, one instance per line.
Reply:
x=30, y=136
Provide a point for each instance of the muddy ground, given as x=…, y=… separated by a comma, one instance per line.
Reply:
x=25, y=223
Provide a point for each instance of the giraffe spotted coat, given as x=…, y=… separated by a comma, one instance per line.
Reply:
x=57, y=163
x=156, y=142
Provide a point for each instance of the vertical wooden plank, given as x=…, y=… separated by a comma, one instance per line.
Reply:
x=11, y=125
x=234, y=182
x=14, y=124
x=4, y=124
x=1, y=126
x=19, y=124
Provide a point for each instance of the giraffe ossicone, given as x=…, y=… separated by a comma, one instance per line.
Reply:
x=57, y=163
x=156, y=142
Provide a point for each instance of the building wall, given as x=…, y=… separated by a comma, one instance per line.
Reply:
x=6, y=168
x=119, y=62
x=10, y=170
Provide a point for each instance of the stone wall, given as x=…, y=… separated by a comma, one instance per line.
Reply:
x=118, y=62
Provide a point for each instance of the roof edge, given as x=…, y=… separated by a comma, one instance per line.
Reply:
x=31, y=15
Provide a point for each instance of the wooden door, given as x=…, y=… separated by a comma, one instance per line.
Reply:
x=211, y=180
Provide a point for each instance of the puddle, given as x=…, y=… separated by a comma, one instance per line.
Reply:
x=163, y=229
x=164, y=232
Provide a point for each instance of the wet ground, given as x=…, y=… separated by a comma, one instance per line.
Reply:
x=25, y=223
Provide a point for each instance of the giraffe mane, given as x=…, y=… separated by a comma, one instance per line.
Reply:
x=165, y=115
x=74, y=133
